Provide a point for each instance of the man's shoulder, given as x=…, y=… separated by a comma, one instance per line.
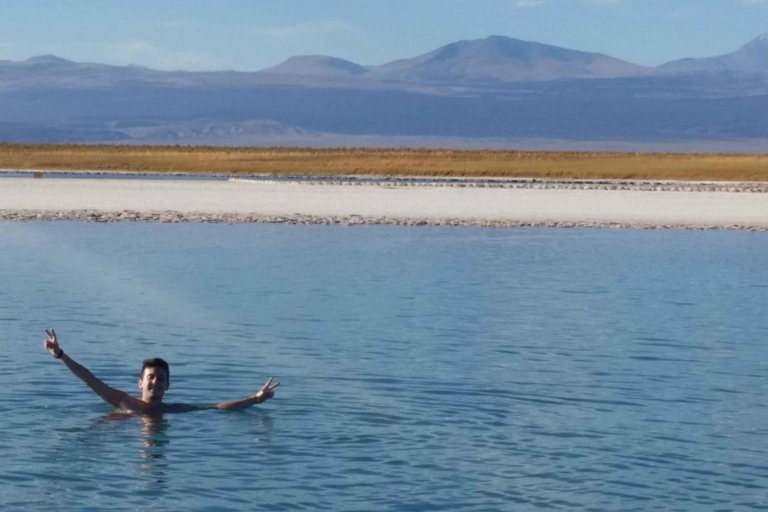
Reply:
x=129, y=403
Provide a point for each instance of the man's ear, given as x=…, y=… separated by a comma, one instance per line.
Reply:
x=139, y=382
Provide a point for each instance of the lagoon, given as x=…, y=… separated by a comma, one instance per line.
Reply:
x=428, y=368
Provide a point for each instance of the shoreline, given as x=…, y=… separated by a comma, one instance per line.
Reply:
x=415, y=181
x=173, y=217
x=504, y=204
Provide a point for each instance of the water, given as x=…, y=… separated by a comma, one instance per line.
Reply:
x=421, y=368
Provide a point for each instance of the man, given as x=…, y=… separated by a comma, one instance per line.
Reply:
x=153, y=383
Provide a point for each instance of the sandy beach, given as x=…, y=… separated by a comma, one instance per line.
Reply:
x=686, y=206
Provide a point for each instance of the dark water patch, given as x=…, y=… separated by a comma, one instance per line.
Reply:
x=679, y=346
x=665, y=359
x=569, y=435
x=741, y=484
x=728, y=391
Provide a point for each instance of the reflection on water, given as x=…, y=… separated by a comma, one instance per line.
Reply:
x=153, y=442
x=152, y=446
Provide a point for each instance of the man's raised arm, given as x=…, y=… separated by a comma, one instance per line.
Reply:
x=266, y=392
x=113, y=397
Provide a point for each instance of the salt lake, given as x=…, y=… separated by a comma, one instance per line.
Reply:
x=422, y=368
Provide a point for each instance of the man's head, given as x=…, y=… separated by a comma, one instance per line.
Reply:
x=154, y=379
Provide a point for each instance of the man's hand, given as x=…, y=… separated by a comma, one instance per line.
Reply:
x=52, y=344
x=267, y=390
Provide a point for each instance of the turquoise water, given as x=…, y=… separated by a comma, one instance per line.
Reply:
x=421, y=368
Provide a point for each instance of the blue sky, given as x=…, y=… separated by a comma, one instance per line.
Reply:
x=253, y=34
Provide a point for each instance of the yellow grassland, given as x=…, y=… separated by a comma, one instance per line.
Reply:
x=386, y=162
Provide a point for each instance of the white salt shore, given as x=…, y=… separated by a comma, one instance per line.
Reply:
x=237, y=201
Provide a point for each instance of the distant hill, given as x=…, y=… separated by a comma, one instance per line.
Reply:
x=751, y=58
x=44, y=62
x=498, y=58
x=319, y=66
x=52, y=71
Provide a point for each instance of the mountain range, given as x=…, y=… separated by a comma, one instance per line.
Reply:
x=498, y=87
x=494, y=59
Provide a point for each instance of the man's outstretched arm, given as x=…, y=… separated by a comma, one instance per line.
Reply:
x=113, y=397
x=266, y=392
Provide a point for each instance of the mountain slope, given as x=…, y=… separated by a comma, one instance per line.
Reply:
x=498, y=58
x=319, y=66
x=750, y=58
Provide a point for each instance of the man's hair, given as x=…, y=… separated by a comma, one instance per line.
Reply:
x=155, y=362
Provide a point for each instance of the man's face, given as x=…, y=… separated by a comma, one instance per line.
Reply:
x=153, y=383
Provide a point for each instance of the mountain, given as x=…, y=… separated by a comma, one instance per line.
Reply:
x=752, y=58
x=491, y=89
x=52, y=71
x=46, y=62
x=504, y=59
x=317, y=66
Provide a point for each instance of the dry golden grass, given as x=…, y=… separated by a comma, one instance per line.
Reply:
x=386, y=162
